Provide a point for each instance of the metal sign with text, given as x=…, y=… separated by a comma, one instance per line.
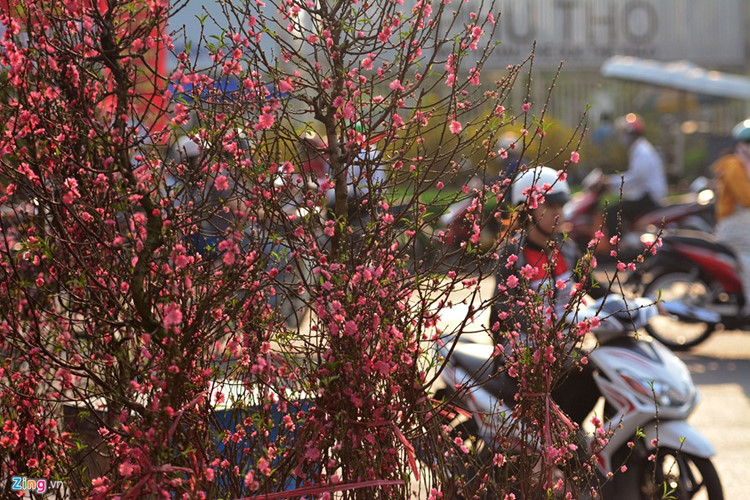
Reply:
x=584, y=33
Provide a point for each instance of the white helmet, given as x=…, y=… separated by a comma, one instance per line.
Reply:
x=547, y=181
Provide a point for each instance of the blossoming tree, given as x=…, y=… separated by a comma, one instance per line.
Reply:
x=213, y=280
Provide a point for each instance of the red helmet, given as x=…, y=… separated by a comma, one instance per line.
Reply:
x=630, y=124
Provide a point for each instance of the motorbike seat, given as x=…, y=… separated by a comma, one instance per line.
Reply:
x=476, y=359
x=667, y=214
x=699, y=239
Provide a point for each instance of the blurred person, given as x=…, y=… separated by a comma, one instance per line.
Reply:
x=510, y=156
x=454, y=221
x=644, y=184
x=199, y=188
x=732, y=174
x=604, y=133
x=312, y=152
x=218, y=201
x=366, y=171
x=473, y=187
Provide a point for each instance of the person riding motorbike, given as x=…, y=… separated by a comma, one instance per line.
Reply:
x=548, y=266
x=644, y=184
x=732, y=173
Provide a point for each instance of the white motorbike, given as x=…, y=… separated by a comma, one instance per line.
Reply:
x=648, y=395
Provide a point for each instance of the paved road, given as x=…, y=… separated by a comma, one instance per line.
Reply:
x=721, y=368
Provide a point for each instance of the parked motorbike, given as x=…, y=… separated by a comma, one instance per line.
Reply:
x=648, y=395
x=584, y=217
x=694, y=269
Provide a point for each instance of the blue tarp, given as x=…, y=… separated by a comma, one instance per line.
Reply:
x=226, y=88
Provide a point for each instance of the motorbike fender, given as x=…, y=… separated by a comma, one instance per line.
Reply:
x=678, y=435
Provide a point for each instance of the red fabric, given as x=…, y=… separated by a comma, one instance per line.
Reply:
x=539, y=261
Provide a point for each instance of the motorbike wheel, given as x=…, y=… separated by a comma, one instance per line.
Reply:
x=675, y=334
x=681, y=476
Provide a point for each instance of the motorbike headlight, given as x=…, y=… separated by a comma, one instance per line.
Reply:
x=664, y=393
x=705, y=197
x=670, y=395
x=648, y=239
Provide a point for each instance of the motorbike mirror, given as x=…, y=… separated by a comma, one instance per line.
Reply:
x=699, y=184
